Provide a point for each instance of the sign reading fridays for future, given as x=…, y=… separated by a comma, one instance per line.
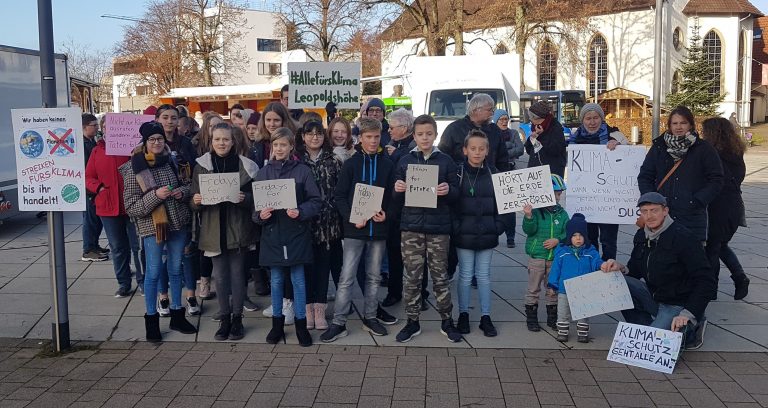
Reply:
x=122, y=132
x=50, y=159
x=277, y=194
x=602, y=183
x=514, y=189
x=314, y=84
x=646, y=347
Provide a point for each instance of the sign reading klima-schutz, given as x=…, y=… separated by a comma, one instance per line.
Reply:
x=314, y=84
x=50, y=159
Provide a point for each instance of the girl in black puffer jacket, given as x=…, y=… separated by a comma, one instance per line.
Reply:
x=476, y=229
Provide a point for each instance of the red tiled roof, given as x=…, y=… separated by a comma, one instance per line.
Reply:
x=721, y=7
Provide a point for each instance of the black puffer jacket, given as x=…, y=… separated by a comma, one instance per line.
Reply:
x=476, y=223
x=552, y=153
x=694, y=185
x=286, y=241
x=675, y=268
x=726, y=212
x=402, y=147
x=363, y=168
x=429, y=220
x=452, y=142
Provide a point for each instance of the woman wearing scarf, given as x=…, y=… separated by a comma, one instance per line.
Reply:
x=594, y=130
x=546, y=145
x=226, y=232
x=685, y=169
x=156, y=197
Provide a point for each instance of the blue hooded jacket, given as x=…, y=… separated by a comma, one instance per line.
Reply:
x=570, y=262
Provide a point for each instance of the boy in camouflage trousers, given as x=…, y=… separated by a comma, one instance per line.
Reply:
x=425, y=232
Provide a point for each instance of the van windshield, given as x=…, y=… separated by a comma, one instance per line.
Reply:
x=452, y=103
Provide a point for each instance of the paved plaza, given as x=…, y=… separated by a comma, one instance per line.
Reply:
x=517, y=368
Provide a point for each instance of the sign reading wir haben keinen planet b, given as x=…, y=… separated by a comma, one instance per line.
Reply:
x=50, y=161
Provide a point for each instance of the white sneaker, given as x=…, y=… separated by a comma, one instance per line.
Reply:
x=193, y=308
x=288, y=311
x=267, y=312
x=163, y=307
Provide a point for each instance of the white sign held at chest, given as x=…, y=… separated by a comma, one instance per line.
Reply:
x=602, y=183
x=646, y=347
x=366, y=202
x=276, y=194
x=421, y=185
x=220, y=187
x=597, y=293
x=514, y=189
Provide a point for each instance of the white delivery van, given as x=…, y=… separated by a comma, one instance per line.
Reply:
x=442, y=86
x=20, y=87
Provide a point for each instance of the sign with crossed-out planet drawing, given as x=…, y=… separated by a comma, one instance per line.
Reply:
x=50, y=161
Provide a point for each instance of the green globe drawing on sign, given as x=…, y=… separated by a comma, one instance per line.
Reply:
x=70, y=193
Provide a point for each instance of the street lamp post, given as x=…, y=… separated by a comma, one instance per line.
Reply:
x=657, y=61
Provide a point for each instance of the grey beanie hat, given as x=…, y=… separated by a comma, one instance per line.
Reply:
x=591, y=107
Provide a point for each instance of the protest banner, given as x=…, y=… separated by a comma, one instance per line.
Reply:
x=276, y=194
x=50, y=159
x=514, y=189
x=602, y=183
x=122, y=132
x=597, y=293
x=219, y=187
x=314, y=84
x=645, y=347
x=365, y=203
x=421, y=185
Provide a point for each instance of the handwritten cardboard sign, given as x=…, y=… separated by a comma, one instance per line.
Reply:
x=597, y=293
x=314, y=84
x=220, y=187
x=514, y=189
x=421, y=185
x=602, y=183
x=365, y=203
x=276, y=194
x=122, y=132
x=645, y=347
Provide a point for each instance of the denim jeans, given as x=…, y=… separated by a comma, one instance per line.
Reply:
x=91, y=227
x=138, y=256
x=512, y=223
x=353, y=252
x=187, y=267
x=647, y=311
x=605, y=236
x=299, y=290
x=478, y=264
x=154, y=254
x=230, y=275
x=117, y=235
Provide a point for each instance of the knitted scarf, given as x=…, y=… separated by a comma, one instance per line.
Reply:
x=142, y=162
x=582, y=135
x=678, y=146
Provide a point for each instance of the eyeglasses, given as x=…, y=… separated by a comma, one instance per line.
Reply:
x=314, y=135
x=375, y=110
x=156, y=140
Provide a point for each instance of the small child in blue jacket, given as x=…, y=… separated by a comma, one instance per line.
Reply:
x=573, y=258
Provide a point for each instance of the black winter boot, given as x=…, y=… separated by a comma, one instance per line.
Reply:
x=552, y=316
x=225, y=326
x=463, y=323
x=532, y=317
x=305, y=339
x=180, y=323
x=486, y=325
x=278, y=330
x=152, y=326
x=237, y=331
x=741, y=286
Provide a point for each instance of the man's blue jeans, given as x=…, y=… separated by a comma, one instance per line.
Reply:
x=647, y=311
x=120, y=246
x=91, y=227
x=154, y=254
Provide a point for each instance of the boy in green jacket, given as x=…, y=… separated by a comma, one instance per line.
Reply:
x=545, y=228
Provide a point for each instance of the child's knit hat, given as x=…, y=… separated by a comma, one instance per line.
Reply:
x=577, y=223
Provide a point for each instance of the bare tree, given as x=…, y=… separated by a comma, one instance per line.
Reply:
x=422, y=17
x=365, y=44
x=323, y=26
x=93, y=65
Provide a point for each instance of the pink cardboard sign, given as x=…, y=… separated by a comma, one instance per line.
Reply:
x=122, y=132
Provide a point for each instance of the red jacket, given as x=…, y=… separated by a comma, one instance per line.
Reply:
x=101, y=171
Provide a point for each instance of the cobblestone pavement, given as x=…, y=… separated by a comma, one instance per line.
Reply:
x=138, y=374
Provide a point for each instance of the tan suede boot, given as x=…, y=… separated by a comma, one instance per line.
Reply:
x=310, y=316
x=320, y=322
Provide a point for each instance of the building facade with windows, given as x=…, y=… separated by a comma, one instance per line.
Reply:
x=616, y=50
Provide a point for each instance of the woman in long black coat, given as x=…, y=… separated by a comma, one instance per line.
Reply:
x=726, y=212
x=546, y=145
